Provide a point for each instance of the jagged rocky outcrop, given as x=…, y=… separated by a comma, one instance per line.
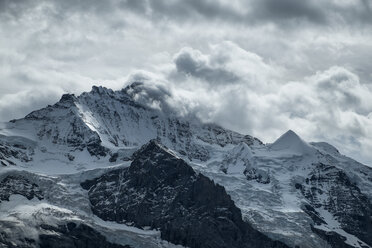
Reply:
x=10, y=154
x=16, y=184
x=62, y=124
x=162, y=191
x=336, y=203
x=15, y=149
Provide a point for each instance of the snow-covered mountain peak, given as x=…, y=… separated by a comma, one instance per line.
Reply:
x=291, y=143
x=274, y=183
x=290, y=135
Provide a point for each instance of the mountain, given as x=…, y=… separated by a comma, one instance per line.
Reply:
x=127, y=169
x=164, y=192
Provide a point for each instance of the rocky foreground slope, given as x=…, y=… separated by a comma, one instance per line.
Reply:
x=126, y=170
x=163, y=192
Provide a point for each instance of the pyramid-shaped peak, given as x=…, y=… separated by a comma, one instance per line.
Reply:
x=290, y=142
x=290, y=134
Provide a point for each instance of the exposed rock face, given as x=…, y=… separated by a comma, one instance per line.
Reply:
x=68, y=235
x=34, y=213
x=74, y=133
x=259, y=175
x=329, y=190
x=73, y=235
x=62, y=124
x=162, y=191
x=13, y=151
x=18, y=185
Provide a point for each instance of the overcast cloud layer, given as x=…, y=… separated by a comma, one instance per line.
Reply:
x=259, y=67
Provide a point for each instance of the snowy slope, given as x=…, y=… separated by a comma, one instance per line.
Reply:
x=276, y=186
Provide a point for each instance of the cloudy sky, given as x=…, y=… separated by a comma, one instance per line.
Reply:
x=259, y=67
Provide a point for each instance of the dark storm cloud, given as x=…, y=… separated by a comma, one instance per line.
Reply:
x=15, y=8
x=73, y=6
x=246, y=13
x=192, y=63
x=194, y=10
x=275, y=10
x=139, y=6
x=360, y=13
x=286, y=14
x=251, y=12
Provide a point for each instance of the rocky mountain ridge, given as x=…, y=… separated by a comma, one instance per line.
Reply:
x=315, y=196
x=162, y=191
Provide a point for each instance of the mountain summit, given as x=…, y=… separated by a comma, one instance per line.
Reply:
x=290, y=142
